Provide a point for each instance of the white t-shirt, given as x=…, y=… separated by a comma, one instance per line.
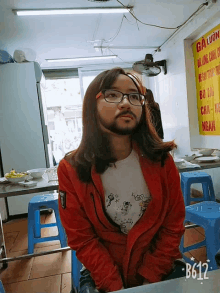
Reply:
x=126, y=192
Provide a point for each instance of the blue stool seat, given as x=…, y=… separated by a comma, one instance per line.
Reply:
x=38, y=202
x=207, y=215
x=75, y=272
x=188, y=178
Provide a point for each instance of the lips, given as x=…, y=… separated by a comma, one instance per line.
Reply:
x=128, y=116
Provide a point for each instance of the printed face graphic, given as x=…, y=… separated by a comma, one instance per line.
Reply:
x=119, y=118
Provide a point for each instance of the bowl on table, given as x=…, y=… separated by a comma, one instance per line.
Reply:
x=17, y=179
x=178, y=162
x=188, y=158
x=217, y=153
x=206, y=152
x=36, y=173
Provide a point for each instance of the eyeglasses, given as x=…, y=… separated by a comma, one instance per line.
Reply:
x=113, y=96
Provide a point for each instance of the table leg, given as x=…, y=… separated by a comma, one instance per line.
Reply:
x=2, y=245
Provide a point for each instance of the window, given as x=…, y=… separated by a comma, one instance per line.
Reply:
x=64, y=115
x=64, y=92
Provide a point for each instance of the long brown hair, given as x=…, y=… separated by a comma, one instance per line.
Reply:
x=150, y=99
x=94, y=148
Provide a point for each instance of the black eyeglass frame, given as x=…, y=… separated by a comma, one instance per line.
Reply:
x=143, y=100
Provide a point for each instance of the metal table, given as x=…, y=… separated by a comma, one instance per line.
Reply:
x=202, y=166
x=9, y=189
x=182, y=285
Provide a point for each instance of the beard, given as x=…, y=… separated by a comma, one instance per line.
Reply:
x=115, y=128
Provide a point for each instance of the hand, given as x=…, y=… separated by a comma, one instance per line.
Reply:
x=88, y=289
x=146, y=282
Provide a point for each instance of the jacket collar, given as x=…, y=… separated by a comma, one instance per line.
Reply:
x=96, y=178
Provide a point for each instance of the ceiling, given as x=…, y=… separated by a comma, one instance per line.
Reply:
x=73, y=36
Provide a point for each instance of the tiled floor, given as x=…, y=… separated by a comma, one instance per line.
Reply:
x=48, y=273
x=52, y=273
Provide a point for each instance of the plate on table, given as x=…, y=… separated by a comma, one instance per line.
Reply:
x=28, y=183
x=178, y=162
x=197, y=155
x=3, y=180
x=207, y=159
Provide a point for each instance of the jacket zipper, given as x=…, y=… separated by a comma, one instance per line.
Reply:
x=112, y=224
x=91, y=194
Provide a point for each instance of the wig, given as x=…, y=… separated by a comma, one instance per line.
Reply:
x=94, y=148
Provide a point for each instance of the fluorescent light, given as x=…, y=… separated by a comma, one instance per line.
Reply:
x=82, y=58
x=92, y=10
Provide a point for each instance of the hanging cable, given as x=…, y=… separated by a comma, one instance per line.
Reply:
x=119, y=57
x=130, y=21
x=137, y=20
x=112, y=38
x=118, y=31
x=203, y=4
x=97, y=27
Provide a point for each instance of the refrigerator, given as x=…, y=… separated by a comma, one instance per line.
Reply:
x=24, y=140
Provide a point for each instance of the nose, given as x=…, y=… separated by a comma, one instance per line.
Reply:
x=124, y=103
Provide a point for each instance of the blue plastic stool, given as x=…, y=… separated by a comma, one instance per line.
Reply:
x=188, y=178
x=38, y=202
x=207, y=215
x=75, y=272
x=2, y=290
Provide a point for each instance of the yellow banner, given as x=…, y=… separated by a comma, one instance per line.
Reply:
x=206, y=51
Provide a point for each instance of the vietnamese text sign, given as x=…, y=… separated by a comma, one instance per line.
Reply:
x=206, y=51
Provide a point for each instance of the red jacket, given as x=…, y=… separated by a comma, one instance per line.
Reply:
x=113, y=258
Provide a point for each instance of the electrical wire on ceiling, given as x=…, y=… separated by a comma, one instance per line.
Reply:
x=137, y=20
x=119, y=57
x=118, y=31
x=97, y=26
x=130, y=21
x=203, y=4
x=109, y=40
x=163, y=27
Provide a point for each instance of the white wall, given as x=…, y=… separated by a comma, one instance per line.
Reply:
x=176, y=91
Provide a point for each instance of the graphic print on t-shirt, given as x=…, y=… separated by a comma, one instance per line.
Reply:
x=123, y=212
x=110, y=198
x=126, y=208
x=145, y=200
x=126, y=192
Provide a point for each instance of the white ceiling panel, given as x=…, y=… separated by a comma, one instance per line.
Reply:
x=73, y=36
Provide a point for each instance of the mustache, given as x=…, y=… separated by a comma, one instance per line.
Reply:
x=126, y=113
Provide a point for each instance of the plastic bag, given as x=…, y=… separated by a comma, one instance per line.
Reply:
x=24, y=55
x=5, y=57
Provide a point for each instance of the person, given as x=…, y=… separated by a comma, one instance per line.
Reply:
x=120, y=200
x=155, y=113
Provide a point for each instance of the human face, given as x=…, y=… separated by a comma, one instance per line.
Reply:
x=122, y=118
